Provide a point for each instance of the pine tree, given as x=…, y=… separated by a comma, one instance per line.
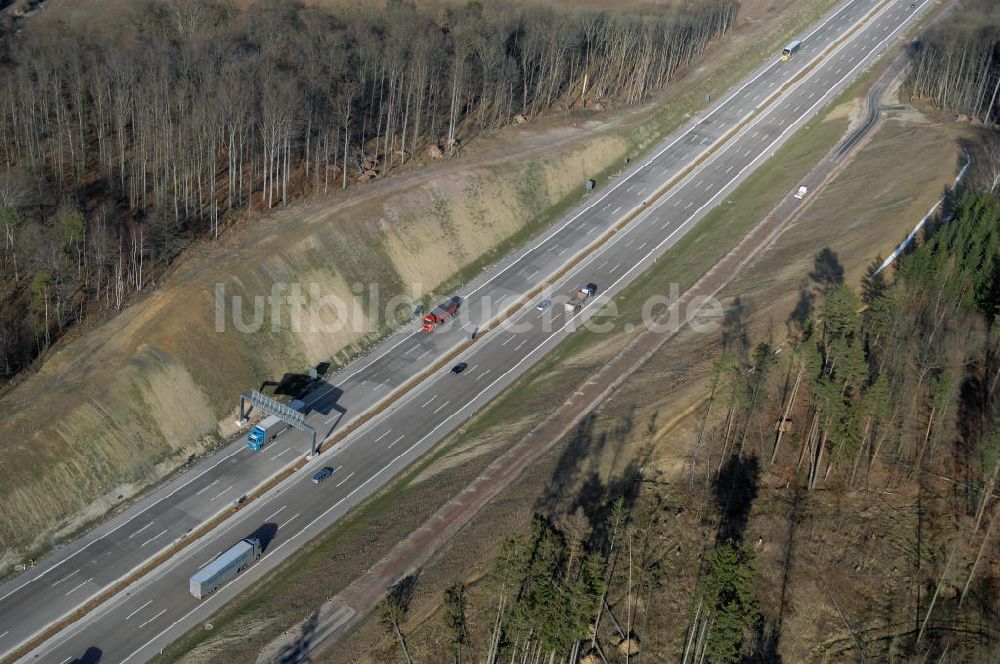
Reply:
x=726, y=595
x=456, y=624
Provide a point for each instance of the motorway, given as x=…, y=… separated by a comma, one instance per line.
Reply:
x=135, y=624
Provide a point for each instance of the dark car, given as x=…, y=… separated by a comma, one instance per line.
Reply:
x=321, y=475
x=459, y=368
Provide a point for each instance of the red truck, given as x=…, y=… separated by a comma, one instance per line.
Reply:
x=441, y=313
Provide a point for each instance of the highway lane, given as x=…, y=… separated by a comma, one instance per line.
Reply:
x=30, y=602
x=179, y=516
x=361, y=463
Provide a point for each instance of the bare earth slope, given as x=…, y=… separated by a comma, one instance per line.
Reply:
x=672, y=387
x=112, y=404
x=118, y=407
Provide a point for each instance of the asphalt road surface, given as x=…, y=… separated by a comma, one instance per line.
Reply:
x=133, y=626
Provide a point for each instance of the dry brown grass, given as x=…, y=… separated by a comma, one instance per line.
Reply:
x=864, y=211
x=120, y=388
x=372, y=530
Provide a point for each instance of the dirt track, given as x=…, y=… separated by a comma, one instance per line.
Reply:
x=318, y=635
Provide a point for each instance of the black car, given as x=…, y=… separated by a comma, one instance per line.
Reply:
x=459, y=368
x=321, y=475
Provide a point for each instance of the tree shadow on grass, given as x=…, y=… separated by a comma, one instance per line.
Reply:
x=597, y=499
x=401, y=593
x=293, y=652
x=827, y=272
x=973, y=412
x=735, y=337
x=577, y=454
x=735, y=490
x=798, y=319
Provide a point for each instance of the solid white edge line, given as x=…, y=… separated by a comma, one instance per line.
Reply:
x=409, y=449
x=638, y=169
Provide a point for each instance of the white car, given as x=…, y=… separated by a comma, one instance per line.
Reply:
x=802, y=191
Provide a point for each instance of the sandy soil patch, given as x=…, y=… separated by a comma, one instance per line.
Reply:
x=120, y=388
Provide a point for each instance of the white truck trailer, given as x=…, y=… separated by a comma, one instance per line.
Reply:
x=226, y=566
x=270, y=428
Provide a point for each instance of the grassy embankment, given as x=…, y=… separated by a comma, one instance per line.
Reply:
x=529, y=399
x=653, y=418
x=146, y=373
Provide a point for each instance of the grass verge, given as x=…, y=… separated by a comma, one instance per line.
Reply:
x=526, y=402
x=648, y=129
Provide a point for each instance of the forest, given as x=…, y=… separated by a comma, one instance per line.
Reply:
x=884, y=389
x=125, y=141
x=957, y=64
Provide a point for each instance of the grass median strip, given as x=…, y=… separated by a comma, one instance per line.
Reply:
x=339, y=436
x=561, y=208
x=554, y=214
x=524, y=404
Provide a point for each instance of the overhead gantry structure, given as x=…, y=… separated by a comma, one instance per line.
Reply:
x=271, y=407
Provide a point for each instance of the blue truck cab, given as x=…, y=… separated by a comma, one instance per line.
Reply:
x=270, y=428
